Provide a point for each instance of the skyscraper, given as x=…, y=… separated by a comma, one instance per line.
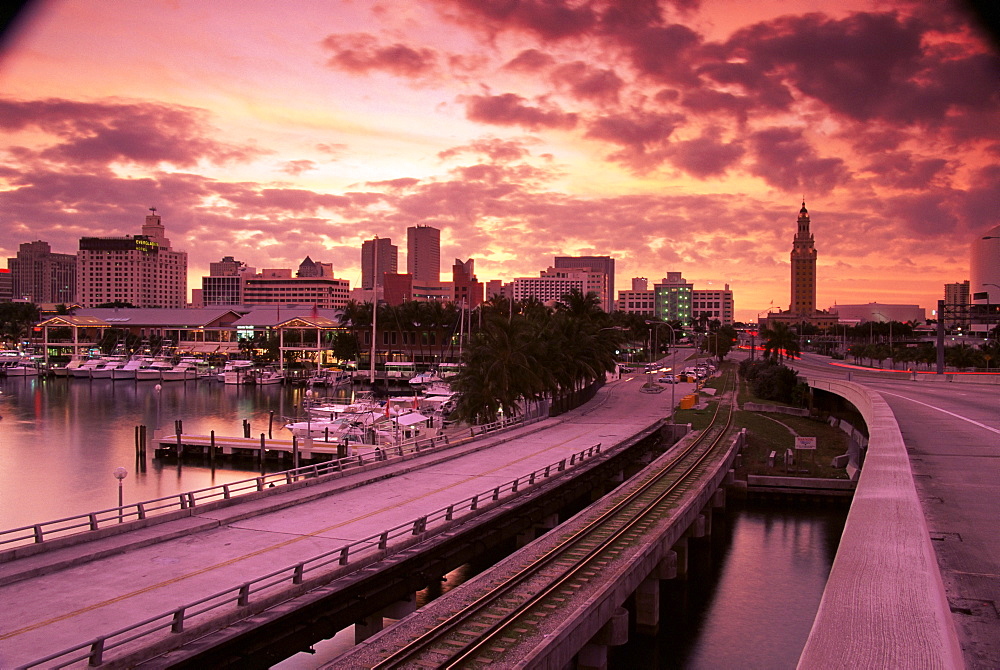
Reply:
x=605, y=264
x=142, y=270
x=40, y=276
x=423, y=253
x=387, y=261
x=803, y=302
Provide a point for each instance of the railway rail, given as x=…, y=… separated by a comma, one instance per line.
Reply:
x=490, y=628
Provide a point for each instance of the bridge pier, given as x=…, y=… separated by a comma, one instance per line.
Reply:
x=697, y=527
x=719, y=498
x=680, y=548
x=536, y=531
x=374, y=622
x=594, y=655
x=647, y=606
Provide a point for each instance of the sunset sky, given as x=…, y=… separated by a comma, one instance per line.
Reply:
x=672, y=136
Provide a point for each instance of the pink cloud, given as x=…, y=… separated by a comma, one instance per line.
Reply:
x=706, y=156
x=510, y=109
x=588, y=83
x=784, y=159
x=642, y=135
x=144, y=133
x=362, y=53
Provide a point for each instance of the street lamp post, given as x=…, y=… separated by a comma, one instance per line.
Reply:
x=120, y=473
x=673, y=374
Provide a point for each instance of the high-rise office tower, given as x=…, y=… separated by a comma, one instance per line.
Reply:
x=387, y=261
x=803, y=301
x=41, y=276
x=423, y=253
x=605, y=264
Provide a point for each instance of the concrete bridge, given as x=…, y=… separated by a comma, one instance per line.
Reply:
x=886, y=604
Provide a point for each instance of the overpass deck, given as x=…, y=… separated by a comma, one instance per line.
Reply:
x=63, y=598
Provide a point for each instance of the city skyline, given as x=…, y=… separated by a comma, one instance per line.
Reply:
x=671, y=137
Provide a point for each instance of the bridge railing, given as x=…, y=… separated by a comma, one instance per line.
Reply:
x=196, y=618
x=111, y=517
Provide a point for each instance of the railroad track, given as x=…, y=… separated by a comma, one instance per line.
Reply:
x=488, y=629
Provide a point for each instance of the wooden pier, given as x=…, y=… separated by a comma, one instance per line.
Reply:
x=213, y=446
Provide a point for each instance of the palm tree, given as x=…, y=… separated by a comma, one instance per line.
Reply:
x=502, y=369
x=780, y=341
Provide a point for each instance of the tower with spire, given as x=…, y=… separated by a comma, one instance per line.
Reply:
x=803, y=294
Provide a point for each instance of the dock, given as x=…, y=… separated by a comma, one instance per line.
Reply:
x=213, y=446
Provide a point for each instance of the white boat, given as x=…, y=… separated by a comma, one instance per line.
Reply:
x=330, y=377
x=128, y=370
x=104, y=371
x=21, y=368
x=185, y=370
x=424, y=378
x=264, y=376
x=234, y=371
x=152, y=370
x=85, y=370
x=65, y=370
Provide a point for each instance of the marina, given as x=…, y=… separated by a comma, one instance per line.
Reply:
x=61, y=438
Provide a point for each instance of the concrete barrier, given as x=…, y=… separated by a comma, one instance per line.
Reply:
x=884, y=605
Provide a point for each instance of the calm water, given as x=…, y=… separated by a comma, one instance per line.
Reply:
x=752, y=593
x=60, y=439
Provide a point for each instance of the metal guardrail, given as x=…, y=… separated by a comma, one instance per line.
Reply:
x=257, y=594
x=93, y=521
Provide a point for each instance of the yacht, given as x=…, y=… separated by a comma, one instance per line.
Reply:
x=85, y=370
x=185, y=370
x=233, y=372
x=264, y=376
x=152, y=370
x=128, y=370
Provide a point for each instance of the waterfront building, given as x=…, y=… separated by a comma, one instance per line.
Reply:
x=277, y=287
x=639, y=300
x=717, y=305
x=956, y=300
x=225, y=283
x=603, y=264
x=380, y=254
x=877, y=312
x=802, y=308
x=39, y=275
x=423, y=254
x=803, y=257
x=984, y=266
x=398, y=288
x=496, y=288
x=554, y=283
x=6, y=285
x=141, y=270
x=672, y=298
x=467, y=291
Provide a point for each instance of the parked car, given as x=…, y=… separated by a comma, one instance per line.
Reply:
x=667, y=379
x=625, y=370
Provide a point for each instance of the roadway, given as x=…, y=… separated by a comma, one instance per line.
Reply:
x=952, y=435
x=223, y=548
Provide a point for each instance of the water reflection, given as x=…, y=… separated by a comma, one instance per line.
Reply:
x=752, y=593
x=60, y=439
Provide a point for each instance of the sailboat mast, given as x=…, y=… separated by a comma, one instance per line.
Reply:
x=374, y=306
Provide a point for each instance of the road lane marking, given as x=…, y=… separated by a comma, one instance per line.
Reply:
x=943, y=411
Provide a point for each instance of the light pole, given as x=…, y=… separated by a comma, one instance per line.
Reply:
x=673, y=374
x=893, y=363
x=120, y=473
